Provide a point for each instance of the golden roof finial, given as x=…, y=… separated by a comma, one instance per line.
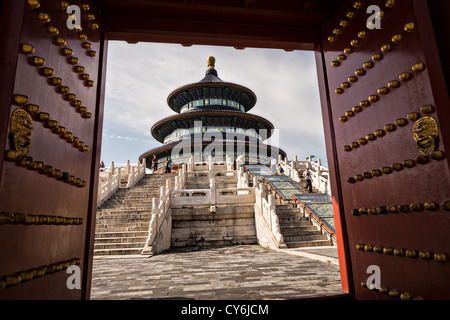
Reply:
x=211, y=61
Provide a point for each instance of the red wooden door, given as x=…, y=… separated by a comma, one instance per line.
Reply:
x=386, y=110
x=51, y=121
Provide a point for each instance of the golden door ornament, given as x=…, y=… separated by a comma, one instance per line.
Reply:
x=20, y=134
x=425, y=133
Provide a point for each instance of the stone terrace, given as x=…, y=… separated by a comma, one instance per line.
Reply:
x=217, y=273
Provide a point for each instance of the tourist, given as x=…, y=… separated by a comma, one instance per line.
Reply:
x=273, y=165
x=155, y=163
x=307, y=175
x=168, y=166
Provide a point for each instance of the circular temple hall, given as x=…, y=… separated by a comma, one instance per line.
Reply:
x=212, y=120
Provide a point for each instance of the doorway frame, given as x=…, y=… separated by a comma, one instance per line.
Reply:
x=183, y=37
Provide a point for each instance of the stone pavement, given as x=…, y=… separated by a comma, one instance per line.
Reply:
x=240, y=272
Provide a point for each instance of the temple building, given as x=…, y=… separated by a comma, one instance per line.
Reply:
x=212, y=120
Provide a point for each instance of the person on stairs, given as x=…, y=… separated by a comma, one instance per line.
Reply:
x=155, y=163
x=307, y=175
x=168, y=166
x=274, y=165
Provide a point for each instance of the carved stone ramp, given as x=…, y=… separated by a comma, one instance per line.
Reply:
x=230, y=224
x=199, y=220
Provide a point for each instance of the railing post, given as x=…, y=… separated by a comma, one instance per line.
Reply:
x=271, y=200
x=168, y=184
x=155, y=213
x=212, y=194
x=229, y=163
x=109, y=182
x=210, y=163
x=262, y=191
x=245, y=182
x=128, y=167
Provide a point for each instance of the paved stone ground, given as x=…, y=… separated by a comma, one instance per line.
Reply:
x=220, y=273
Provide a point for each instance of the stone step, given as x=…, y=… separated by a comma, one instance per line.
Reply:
x=128, y=204
x=286, y=207
x=121, y=228
x=298, y=231
x=135, y=196
x=305, y=237
x=286, y=220
x=127, y=209
x=312, y=243
x=120, y=234
x=122, y=239
x=287, y=224
x=117, y=227
x=126, y=212
x=118, y=212
x=123, y=218
x=129, y=198
x=119, y=251
x=139, y=191
x=119, y=245
x=289, y=214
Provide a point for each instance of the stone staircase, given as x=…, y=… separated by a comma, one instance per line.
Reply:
x=123, y=220
x=298, y=230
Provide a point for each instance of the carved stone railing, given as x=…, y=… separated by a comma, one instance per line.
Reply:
x=266, y=220
x=212, y=196
x=113, y=178
x=160, y=226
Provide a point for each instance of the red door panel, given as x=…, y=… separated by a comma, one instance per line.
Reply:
x=50, y=153
x=385, y=92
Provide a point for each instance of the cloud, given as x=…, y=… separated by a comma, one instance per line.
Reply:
x=141, y=76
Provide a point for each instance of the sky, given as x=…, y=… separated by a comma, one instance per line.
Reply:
x=139, y=78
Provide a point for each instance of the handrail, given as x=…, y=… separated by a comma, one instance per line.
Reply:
x=275, y=190
x=266, y=183
x=319, y=222
x=265, y=211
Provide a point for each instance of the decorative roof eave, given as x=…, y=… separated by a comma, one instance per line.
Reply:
x=170, y=146
x=182, y=90
x=200, y=115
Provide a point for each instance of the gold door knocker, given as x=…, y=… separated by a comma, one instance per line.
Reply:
x=20, y=135
x=425, y=133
